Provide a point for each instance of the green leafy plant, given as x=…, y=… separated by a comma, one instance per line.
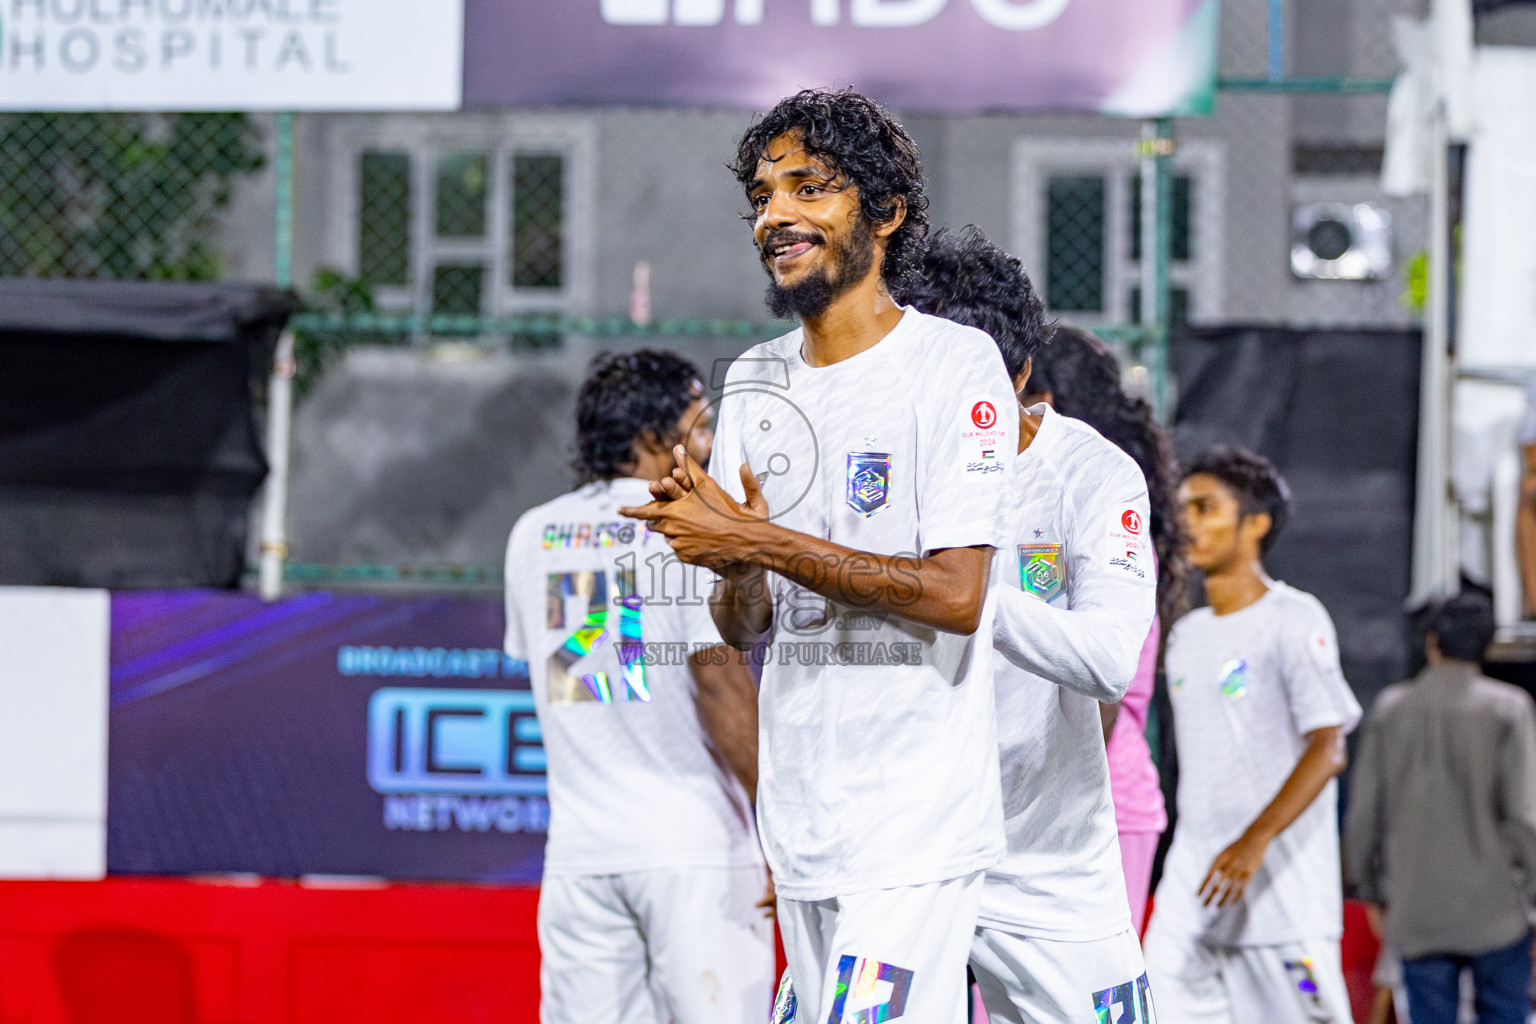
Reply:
x=132, y=196
x=316, y=348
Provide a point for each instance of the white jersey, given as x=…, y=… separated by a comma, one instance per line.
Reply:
x=598, y=607
x=1075, y=594
x=877, y=748
x=1525, y=430
x=1247, y=688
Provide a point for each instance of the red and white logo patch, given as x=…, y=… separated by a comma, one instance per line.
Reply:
x=1128, y=545
x=984, y=415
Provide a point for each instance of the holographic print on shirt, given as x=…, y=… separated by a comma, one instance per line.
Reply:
x=869, y=481
x=1300, y=972
x=1130, y=1003
x=587, y=535
x=1040, y=572
x=860, y=983
x=1234, y=679
x=594, y=587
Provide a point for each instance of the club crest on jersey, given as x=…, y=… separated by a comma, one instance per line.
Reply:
x=1234, y=679
x=869, y=992
x=869, y=481
x=1040, y=571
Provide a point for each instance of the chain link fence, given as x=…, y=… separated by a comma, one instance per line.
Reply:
x=1310, y=83
x=131, y=196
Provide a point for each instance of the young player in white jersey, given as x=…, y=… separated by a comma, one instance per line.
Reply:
x=1249, y=913
x=1080, y=377
x=653, y=868
x=857, y=496
x=1075, y=592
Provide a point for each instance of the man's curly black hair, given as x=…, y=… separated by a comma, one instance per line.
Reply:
x=967, y=279
x=625, y=396
x=1253, y=480
x=860, y=141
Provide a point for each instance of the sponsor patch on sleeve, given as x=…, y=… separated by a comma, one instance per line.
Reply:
x=982, y=439
x=1322, y=651
x=1127, y=548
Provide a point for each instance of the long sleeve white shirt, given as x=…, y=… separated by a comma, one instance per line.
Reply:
x=1074, y=594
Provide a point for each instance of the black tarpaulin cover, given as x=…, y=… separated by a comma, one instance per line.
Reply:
x=129, y=452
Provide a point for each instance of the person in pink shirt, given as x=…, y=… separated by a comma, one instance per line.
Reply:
x=1133, y=780
x=1080, y=377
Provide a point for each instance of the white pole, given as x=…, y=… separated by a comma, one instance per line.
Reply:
x=1436, y=561
x=274, y=520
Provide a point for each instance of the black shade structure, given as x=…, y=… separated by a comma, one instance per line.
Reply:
x=129, y=451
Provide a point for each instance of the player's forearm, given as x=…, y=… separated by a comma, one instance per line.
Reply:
x=1108, y=713
x=742, y=607
x=1092, y=651
x=727, y=703
x=1323, y=759
x=945, y=591
x=1525, y=528
x=1525, y=544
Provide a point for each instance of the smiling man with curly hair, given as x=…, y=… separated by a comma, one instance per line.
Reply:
x=853, y=503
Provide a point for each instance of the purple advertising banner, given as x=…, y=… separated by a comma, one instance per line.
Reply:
x=324, y=734
x=1136, y=58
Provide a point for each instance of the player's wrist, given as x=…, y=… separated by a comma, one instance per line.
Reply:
x=756, y=546
x=1259, y=834
x=742, y=576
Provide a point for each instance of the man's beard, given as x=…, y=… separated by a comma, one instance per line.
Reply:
x=844, y=266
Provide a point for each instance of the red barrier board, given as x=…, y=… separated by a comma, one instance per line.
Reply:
x=184, y=951
x=159, y=951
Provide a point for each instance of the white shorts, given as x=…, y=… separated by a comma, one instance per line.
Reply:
x=883, y=955
x=1293, y=983
x=680, y=944
x=1029, y=980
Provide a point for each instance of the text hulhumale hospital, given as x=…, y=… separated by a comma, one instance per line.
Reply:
x=149, y=36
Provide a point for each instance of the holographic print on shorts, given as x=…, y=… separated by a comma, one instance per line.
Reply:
x=869, y=481
x=1234, y=679
x=1300, y=972
x=858, y=982
x=785, y=1003
x=562, y=686
x=1130, y=1003
x=1040, y=572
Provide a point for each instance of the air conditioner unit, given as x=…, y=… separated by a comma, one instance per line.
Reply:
x=1341, y=241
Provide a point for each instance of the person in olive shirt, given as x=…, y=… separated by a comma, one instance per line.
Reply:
x=1441, y=834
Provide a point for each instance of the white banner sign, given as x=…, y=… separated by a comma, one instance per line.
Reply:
x=231, y=54
x=53, y=732
x=1498, y=272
